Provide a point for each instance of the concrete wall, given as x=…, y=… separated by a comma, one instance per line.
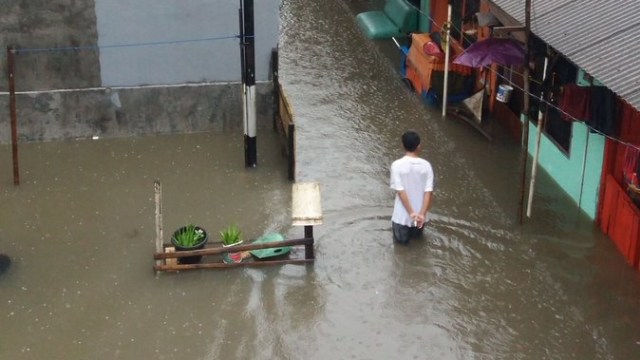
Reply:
x=586, y=152
x=44, y=33
x=177, y=41
x=133, y=112
x=38, y=24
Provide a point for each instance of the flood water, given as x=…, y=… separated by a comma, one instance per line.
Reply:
x=80, y=230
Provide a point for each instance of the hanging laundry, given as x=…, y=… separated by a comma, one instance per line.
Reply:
x=575, y=102
x=603, y=111
x=630, y=168
x=629, y=119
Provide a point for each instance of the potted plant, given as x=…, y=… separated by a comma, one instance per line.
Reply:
x=189, y=237
x=231, y=236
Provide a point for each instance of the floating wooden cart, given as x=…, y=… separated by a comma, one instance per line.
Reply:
x=306, y=211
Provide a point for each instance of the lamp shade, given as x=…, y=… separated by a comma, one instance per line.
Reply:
x=306, y=208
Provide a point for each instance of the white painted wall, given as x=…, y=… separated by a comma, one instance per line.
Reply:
x=146, y=42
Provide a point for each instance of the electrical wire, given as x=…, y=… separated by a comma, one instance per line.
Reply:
x=26, y=51
x=573, y=118
x=112, y=46
x=425, y=15
x=547, y=103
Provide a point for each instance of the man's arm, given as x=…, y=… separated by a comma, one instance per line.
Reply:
x=426, y=206
x=407, y=205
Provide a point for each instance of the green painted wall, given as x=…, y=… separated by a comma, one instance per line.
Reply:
x=567, y=170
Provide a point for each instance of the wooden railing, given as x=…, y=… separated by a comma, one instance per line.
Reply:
x=164, y=265
x=166, y=255
x=283, y=118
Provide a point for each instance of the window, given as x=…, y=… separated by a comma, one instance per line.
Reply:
x=462, y=12
x=558, y=129
x=559, y=72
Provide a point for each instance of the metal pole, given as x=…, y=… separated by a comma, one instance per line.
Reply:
x=446, y=61
x=247, y=52
x=396, y=42
x=524, y=117
x=13, y=113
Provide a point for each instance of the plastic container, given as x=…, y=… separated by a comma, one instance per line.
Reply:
x=504, y=93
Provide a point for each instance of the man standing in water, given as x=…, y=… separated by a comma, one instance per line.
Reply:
x=412, y=179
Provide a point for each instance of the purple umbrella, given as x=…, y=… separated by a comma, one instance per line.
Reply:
x=492, y=51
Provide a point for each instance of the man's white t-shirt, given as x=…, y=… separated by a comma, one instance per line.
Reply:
x=414, y=175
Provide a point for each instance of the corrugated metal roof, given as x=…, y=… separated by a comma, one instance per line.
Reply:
x=600, y=36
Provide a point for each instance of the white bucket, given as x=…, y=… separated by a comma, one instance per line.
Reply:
x=504, y=93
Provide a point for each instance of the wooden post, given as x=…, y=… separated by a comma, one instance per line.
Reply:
x=13, y=113
x=525, y=111
x=168, y=261
x=276, y=87
x=308, y=248
x=291, y=143
x=534, y=165
x=447, y=45
x=158, y=190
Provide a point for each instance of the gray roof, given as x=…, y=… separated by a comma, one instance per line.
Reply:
x=600, y=36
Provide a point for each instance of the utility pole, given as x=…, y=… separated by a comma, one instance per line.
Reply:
x=248, y=63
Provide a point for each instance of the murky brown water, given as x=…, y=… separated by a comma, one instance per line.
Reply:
x=80, y=229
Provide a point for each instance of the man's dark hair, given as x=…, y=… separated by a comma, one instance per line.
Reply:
x=410, y=140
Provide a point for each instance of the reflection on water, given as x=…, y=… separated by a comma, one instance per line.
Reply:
x=80, y=229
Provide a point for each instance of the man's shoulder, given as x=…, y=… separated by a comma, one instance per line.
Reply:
x=426, y=161
x=398, y=161
x=422, y=161
x=410, y=160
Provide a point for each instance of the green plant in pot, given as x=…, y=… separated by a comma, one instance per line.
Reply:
x=231, y=236
x=189, y=237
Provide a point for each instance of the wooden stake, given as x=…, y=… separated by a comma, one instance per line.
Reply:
x=534, y=165
x=308, y=247
x=158, y=190
x=291, y=143
x=13, y=112
x=169, y=261
x=446, y=62
x=525, y=111
x=276, y=87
